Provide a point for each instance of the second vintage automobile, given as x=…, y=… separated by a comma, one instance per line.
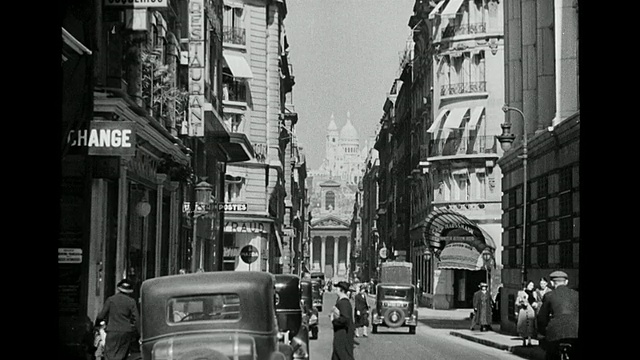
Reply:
x=212, y=315
x=395, y=307
x=316, y=290
x=292, y=319
x=309, y=308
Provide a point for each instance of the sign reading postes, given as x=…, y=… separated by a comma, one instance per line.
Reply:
x=106, y=138
x=249, y=254
x=136, y=3
x=383, y=253
x=232, y=207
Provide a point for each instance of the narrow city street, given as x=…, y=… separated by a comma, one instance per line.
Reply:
x=428, y=342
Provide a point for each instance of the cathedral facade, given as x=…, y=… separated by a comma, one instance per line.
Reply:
x=332, y=193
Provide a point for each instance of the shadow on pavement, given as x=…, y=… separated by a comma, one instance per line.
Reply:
x=447, y=323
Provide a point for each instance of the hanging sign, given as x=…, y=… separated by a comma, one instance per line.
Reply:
x=106, y=138
x=249, y=254
x=196, y=68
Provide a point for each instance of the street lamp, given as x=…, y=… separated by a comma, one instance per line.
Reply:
x=486, y=256
x=200, y=207
x=506, y=140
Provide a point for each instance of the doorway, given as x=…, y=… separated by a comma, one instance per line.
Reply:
x=465, y=284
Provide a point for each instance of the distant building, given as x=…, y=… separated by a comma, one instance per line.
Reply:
x=332, y=190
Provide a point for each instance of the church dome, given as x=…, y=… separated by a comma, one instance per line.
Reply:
x=348, y=131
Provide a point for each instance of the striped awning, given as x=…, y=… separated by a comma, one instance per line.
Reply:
x=476, y=113
x=436, y=122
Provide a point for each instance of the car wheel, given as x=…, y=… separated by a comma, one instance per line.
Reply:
x=374, y=329
x=394, y=317
x=314, y=333
x=412, y=330
x=320, y=308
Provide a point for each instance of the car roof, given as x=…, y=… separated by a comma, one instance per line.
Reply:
x=255, y=290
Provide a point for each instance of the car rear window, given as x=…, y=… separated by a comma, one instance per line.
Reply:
x=210, y=307
x=395, y=293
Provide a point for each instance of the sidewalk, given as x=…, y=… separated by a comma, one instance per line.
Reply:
x=457, y=321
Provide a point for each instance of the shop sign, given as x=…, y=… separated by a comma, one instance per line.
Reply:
x=244, y=227
x=249, y=254
x=232, y=207
x=136, y=3
x=106, y=138
x=196, y=68
x=69, y=256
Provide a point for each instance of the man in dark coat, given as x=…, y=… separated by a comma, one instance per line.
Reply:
x=362, y=311
x=121, y=315
x=343, y=328
x=482, y=304
x=558, y=317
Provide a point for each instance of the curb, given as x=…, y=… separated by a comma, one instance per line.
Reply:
x=484, y=341
x=531, y=354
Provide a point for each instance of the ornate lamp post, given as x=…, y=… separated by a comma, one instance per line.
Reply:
x=201, y=206
x=506, y=140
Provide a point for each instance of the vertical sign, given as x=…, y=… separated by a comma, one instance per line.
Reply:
x=196, y=67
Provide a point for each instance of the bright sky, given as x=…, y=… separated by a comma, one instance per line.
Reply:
x=345, y=55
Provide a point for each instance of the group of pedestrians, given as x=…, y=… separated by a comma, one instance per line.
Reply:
x=349, y=321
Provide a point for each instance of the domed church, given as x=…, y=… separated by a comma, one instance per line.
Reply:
x=332, y=190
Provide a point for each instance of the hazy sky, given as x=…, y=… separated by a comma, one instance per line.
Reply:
x=345, y=55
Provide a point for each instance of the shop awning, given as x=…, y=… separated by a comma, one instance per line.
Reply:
x=452, y=8
x=460, y=256
x=71, y=44
x=476, y=113
x=436, y=122
x=441, y=220
x=435, y=10
x=238, y=65
x=454, y=120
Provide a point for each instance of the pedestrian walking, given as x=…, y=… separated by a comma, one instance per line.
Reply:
x=343, y=328
x=121, y=316
x=482, y=304
x=496, y=312
x=558, y=317
x=525, y=301
x=362, y=311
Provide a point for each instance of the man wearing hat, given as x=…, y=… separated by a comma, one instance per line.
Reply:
x=343, y=327
x=558, y=317
x=121, y=315
x=482, y=308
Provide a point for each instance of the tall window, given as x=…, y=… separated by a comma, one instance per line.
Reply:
x=234, y=186
x=464, y=191
x=330, y=200
x=482, y=186
x=234, y=122
x=232, y=16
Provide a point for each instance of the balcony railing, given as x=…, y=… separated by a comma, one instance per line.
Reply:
x=234, y=35
x=463, y=88
x=463, y=145
x=464, y=29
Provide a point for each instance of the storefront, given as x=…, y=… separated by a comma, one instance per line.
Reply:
x=250, y=244
x=453, y=255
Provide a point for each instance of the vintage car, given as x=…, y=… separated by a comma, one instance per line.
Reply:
x=211, y=315
x=316, y=290
x=292, y=319
x=306, y=294
x=395, y=307
x=320, y=277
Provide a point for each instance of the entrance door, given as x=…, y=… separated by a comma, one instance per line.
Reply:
x=465, y=284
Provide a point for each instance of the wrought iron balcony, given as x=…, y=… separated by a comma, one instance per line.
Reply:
x=464, y=29
x=463, y=145
x=463, y=88
x=234, y=35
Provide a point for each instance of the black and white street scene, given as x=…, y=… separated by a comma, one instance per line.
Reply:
x=319, y=180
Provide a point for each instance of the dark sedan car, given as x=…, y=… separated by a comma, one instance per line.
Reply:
x=211, y=315
x=292, y=319
x=395, y=307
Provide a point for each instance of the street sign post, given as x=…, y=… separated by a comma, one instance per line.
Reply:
x=249, y=254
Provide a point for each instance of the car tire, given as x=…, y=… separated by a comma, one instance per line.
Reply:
x=314, y=333
x=320, y=308
x=394, y=317
x=374, y=329
x=412, y=330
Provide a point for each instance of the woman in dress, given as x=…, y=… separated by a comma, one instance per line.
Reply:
x=362, y=311
x=526, y=314
x=343, y=328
